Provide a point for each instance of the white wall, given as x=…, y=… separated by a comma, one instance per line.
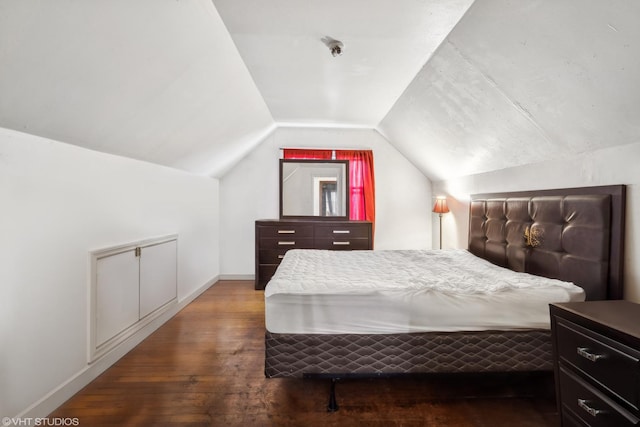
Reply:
x=610, y=166
x=57, y=203
x=250, y=191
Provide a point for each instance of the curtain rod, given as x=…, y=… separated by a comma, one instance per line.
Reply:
x=333, y=150
x=317, y=148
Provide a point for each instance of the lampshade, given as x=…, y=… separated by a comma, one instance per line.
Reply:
x=441, y=206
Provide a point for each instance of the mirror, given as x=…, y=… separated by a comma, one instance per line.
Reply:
x=314, y=188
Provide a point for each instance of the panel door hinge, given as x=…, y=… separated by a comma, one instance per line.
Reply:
x=138, y=252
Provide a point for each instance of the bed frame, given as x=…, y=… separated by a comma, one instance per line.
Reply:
x=574, y=234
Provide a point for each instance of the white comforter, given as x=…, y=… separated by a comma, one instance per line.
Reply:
x=397, y=291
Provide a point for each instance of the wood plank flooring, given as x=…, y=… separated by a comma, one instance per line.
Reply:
x=205, y=368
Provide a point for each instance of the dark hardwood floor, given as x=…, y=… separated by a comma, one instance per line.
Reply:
x=205, y=367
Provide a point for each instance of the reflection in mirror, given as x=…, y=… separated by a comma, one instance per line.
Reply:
x=314, y=188
x=327, y=191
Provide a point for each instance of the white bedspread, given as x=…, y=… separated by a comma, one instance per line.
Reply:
x=400, y=291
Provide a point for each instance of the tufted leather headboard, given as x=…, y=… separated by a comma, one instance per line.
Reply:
x=574, y=234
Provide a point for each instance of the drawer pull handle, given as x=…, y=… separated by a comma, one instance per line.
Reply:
x=582, y=403
x=286, y=231
x=341, y=231
x=282, y=243
x=341, y=243
x=584, y=352
x=280, y=256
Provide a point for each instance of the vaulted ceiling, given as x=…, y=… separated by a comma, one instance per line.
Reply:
x=386, y=42
x=459, y=87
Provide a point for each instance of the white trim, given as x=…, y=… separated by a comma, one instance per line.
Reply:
x=151, y=241
x=237, y=277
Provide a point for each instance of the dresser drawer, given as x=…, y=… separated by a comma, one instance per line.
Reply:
x=344, y=231
x=344, y=244
x=285, y=231
x=271, y=256
x=285, y=243
x=569, y=419
x=265, y=273
x=613, y=365
x=582, y=401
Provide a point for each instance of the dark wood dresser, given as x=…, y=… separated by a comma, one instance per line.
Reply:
x=596, y=350
x=275, y=237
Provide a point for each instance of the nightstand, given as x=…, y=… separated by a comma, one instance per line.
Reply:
x=596, y=353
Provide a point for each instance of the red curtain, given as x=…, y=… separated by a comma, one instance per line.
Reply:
x=361, y=183
x=295, y=153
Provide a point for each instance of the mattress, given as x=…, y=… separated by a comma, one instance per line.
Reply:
x=405, y=291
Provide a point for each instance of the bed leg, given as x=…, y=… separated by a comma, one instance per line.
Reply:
x=333, y=404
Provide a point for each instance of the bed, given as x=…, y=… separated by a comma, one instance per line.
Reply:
x=567, y=235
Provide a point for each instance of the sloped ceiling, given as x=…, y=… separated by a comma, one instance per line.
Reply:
x=521, y=82
x=458, y=88
x=154, y=80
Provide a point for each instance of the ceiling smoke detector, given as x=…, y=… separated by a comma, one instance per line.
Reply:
x=335, y=46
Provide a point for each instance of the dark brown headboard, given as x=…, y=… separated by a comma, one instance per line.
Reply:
x=572, y=234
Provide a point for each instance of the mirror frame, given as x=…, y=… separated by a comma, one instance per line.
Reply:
x=317, y=217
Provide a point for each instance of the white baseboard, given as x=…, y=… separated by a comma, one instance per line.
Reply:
x=237, y=277
x=43, y=407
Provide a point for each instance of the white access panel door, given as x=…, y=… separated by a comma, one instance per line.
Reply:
x=117, y=294
x=158, y=276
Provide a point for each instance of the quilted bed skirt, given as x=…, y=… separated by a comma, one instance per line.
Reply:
x=296, y=355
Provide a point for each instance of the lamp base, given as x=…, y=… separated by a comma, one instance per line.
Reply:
x=440, y=215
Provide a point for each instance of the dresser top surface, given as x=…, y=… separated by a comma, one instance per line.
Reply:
x=621, y=315
x=327, y=221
